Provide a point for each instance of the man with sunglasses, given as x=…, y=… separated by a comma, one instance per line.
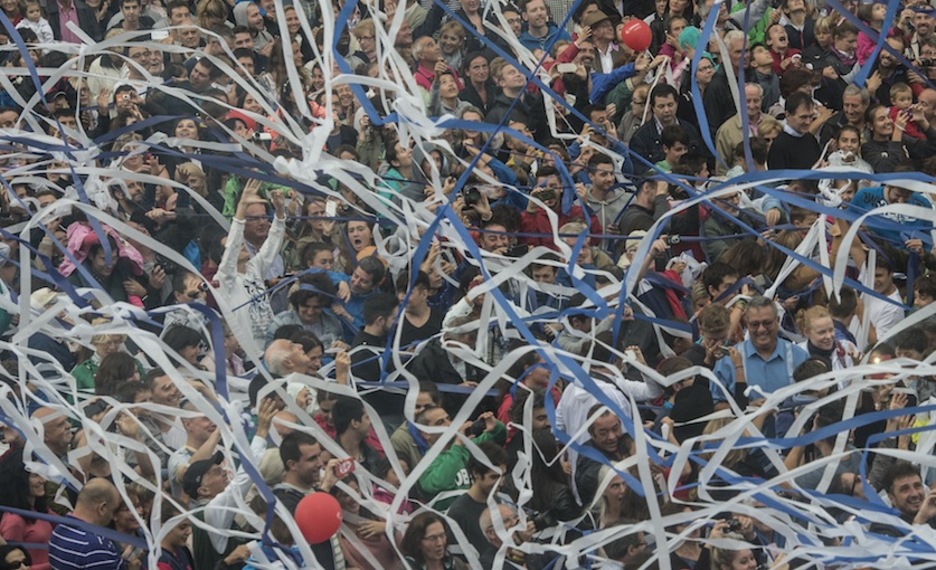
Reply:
x=767, y=361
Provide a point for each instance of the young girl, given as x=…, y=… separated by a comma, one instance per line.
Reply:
x=873, y=15
x=34, y=21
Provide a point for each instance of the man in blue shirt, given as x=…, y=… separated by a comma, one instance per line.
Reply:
x=75, y=547
x=767, y=361
x=365, y=281
x=540, y=31
x=896, y=228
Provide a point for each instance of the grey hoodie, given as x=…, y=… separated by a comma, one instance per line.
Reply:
x=261, y=38
x=608, y=210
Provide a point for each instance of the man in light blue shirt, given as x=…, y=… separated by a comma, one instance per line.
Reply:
x=767, y=361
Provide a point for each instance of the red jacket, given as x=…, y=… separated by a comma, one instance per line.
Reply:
x=538, y=223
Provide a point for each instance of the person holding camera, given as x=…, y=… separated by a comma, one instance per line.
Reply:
x=547, y=195
x=449, y=470
x=722, y=558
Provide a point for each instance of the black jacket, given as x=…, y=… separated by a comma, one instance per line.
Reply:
x=86, y=20
x=885, y=156
x=718, y=103
x=529, y=110
x=432, y=363
x=648, y=143
x=470, y=94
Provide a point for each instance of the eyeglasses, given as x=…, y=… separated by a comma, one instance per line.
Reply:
x=434, y=538
x=754, y=325
x=636, y=102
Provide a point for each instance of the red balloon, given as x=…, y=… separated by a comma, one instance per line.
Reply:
x=318, y=516
x=636, y=35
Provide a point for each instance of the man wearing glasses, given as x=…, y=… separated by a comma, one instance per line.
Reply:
x=763, y=360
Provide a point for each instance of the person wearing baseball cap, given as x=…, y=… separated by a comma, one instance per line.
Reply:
x=202, y=476
x=207, y=483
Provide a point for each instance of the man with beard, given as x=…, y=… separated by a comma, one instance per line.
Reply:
x=302, y=458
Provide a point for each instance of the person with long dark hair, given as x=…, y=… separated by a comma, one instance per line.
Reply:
x=14, y=557
x=425, y=544
x=20, y=489
x=552, y=490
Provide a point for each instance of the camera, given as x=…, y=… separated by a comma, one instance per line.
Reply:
x=672, y=240
x=471, y=196
x=541, y=520
x=926, y=62
x=734, y=525
x=169, y=266
x=96, y=407
x=547, y=194
x=477, y=428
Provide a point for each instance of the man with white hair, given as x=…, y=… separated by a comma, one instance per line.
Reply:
x=513, y=558
x=730, y=134
x=283, y=357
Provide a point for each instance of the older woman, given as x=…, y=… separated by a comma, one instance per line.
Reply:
x=425, y=544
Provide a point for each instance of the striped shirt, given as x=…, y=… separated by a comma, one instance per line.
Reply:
x=73, y=547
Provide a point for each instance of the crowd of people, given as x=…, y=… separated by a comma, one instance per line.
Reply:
x=514, y=294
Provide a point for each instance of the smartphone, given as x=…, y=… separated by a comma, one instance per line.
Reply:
x=477, y=428
x=159, y=35
x=331, y=208
x=912, y=397
x=566, y=67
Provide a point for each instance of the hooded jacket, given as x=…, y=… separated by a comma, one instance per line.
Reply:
x=607, y=211
x=262, y=37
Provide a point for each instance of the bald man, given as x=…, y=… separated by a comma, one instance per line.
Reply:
x=928, y=99
x=73, y=547
x=56, y=430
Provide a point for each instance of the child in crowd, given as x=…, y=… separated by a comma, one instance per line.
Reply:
x=33, y=20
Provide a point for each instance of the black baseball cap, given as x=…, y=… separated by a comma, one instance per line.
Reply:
x=192, y=479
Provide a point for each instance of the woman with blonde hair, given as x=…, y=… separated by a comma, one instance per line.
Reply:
x=365, y=34
x=211, y=13
x=769, y=129
x=817, y=325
